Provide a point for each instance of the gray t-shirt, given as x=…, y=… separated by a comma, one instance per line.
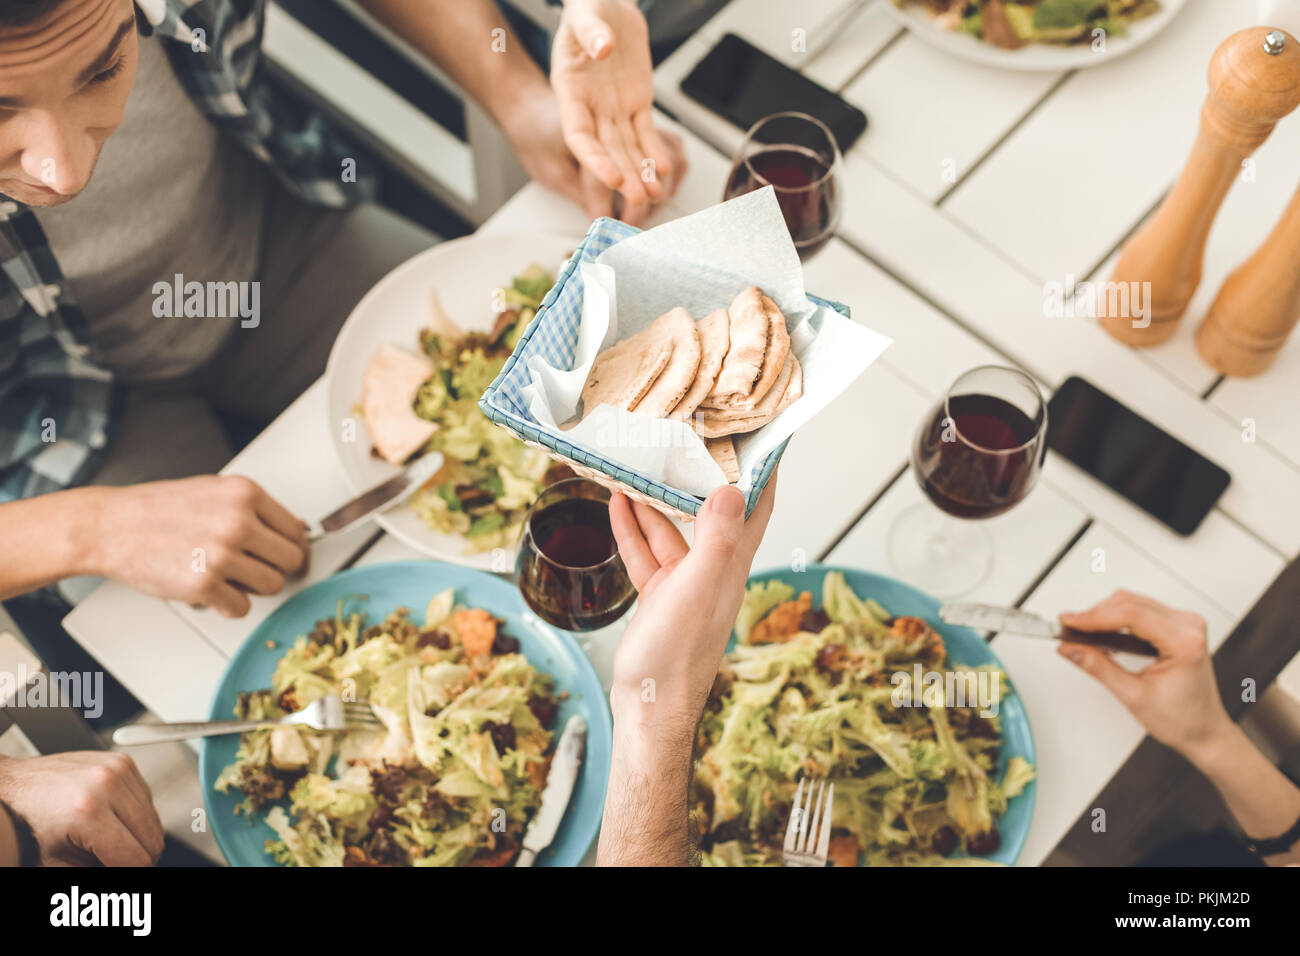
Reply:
x=169, y=195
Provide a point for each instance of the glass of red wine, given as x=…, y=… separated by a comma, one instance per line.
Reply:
x=569, y=570
x=796, y=154
x=976, y=455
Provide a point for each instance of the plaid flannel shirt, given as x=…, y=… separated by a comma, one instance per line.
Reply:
x=57, y=406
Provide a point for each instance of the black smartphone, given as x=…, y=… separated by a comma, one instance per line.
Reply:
x=743, y=84
x=1125, y=452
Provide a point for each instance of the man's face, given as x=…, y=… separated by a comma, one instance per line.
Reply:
x=64, y=81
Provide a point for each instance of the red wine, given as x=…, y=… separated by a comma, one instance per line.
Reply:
x=806, y=191
x=564, y=566
x=981, y=461
x=575, y=533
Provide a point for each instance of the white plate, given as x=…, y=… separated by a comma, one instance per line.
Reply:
x=465, y=272
x=1032, y=56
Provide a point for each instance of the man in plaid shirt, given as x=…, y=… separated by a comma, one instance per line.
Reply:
x=114, y=391
x=103, y=379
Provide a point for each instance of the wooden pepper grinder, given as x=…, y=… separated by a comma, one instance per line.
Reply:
x=1259, y=304
x=1254, y=82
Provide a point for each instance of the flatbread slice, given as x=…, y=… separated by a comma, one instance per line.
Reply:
x=723, y=451
x=765, y=407
x=715, y=336
x=392, y=379
x=622, y=374
x=744, y=361
x=678, y=328
x=708, y=426
x=778, y=349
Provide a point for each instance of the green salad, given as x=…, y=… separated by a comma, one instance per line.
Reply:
x=812, y=693
x=490, y=478
x=1013, y=23
x=452, y=778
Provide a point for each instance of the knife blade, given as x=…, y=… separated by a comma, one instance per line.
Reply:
x=1013, y=620
x=559, y=788
x=370, y=502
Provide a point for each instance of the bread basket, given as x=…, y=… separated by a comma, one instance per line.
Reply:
x=553, y=335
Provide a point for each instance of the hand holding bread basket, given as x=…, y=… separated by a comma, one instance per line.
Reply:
x=667, y=362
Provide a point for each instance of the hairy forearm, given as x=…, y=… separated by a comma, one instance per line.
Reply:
x=646, y=804
x=47, y=538
x=1262, y=800
x=471, y=41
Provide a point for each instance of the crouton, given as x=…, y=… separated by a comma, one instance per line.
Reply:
x=910, y=628
x=843, y=850
x=477, y=629
x=783, y=622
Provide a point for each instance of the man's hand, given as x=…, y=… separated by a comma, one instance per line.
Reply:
x=84, y=808
x=208, y=540
x=666, y=662
x=537, y=138
x=1175, y=697
x=688, y=601
x=602, y=75
x=601, y=72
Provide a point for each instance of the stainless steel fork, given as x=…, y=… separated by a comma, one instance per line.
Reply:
x=808, y=834
x=324, y=713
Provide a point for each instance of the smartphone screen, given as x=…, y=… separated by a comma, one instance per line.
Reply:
x=743, y=84
x=1133, y=457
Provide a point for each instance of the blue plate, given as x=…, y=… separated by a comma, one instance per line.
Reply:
x=965, y=647
x=411, y=584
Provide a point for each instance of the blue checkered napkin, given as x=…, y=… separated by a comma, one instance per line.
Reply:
x=553, y=335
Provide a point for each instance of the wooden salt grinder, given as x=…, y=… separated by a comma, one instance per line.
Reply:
x=1254, y=82
x=1259, y=304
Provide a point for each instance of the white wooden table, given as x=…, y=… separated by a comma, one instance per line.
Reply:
x=1051, y=173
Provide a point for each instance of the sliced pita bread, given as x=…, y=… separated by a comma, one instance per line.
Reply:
x=678, y=328
x=744, y=361
x=778, y=349
x=622, y=374
x=393, y=377
x=766, y=407
x=715, y=335
x=723, y=451
x=714, y=425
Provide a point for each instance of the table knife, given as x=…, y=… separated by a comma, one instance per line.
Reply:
x=559, y=788
x=369, y=503
x=990, y=617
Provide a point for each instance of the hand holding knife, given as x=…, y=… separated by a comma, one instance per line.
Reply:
x=990, y=617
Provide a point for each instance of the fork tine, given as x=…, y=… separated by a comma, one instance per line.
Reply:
x=824, y=838
x=359, y=713
x=805, y=816
x=792, y=828
x=815, y=811
x=329, y=712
